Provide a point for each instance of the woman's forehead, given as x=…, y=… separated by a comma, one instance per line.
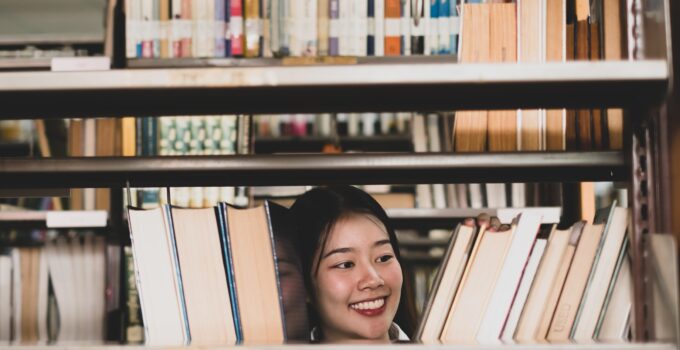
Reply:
x=356, y=229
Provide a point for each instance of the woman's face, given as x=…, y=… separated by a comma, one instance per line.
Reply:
x=358, y=283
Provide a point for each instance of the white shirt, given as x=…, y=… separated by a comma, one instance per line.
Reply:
x=395, y=333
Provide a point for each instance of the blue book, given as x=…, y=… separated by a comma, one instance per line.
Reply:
x=178, y=274
x=229, y=268
x=227, y=31
x=433, y=39
x=370, y=39
x=454, y=26
x=219, y=32
x=444, y=27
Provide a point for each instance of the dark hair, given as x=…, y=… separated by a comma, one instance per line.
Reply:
x=316, y=212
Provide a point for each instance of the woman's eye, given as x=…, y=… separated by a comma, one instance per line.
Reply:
x=385, y=258
x=345, y=265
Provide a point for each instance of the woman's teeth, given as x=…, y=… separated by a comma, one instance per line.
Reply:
x=369, y=305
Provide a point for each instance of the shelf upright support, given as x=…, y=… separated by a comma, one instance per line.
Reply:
x=642, y=199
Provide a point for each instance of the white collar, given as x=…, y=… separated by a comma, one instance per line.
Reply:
x=395, y=332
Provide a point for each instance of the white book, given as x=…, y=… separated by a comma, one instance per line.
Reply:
x=518, y=195
x=406, y=26
x=601, y=275
x=61, y=273
x=438, y=190
x=379, y=27
x=5, y=299
x=76, y=261
x=495, y=195
x=16, y=294
x=361, y=21
x=509, y=278
x=310, y=28
x=368, y=123
x=89, y=150
x=616, y=322
x=427, y=28
x=131, y=30
x=157, y=277
x=539, y=295
x=449, y=281
x=344, y=38
x=475, y=196
x=663, y=249
x=420, y=144
x=76, y=218
x=43, y=287
x=353, y=122
x=99, y=287
x=523, y=290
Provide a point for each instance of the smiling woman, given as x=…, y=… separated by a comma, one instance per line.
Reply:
x=351, y=267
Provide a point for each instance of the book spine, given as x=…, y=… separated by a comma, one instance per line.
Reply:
x=229, y=268
x=334, y=28
x=361, y=26
x=218, y=29
x=134, y=329
x=405, y=28
x=236, y=28
x=454, y=27
x=379, y=8
x=253, y=28
x=417, y=28
x=227, y=28
x=433, y=30
x=323, y=13
x=444, y=27
x=392, y=19
x=186, y=29
x=370, y=30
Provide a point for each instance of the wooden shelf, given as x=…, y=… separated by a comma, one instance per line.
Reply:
x=332, y=88
x=313, y=169
x=377, y=143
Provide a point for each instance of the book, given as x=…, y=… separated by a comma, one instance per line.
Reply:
x=133, y=330
x=471, y=300
x=614, y=322
x=5, y=297
x=204, y=279
x=616, y=221
x=158, y=278
x=614, y=43
x=254, y=274
x=392, y=27
x=289, y=269
x=544, y=282
x=445, y=284
x=574, y=285
x=525, y=284
x=663, y=249
x=508, y=282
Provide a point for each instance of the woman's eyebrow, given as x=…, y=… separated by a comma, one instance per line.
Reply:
x=337, y=251
x=381, y=242
x=348, y=250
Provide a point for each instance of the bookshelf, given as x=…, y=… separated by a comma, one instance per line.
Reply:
x=327, y=88
x=163, y=87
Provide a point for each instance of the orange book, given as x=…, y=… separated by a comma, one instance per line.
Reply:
x=392, y=23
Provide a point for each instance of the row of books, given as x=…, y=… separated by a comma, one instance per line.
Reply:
x=257, y=28
x=187, y=136
x=329, y=125
x=527, y=284
x=53, y=293
x=210, y=276
x=515, y=284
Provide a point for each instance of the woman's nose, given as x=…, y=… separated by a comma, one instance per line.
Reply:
x=370, y=278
